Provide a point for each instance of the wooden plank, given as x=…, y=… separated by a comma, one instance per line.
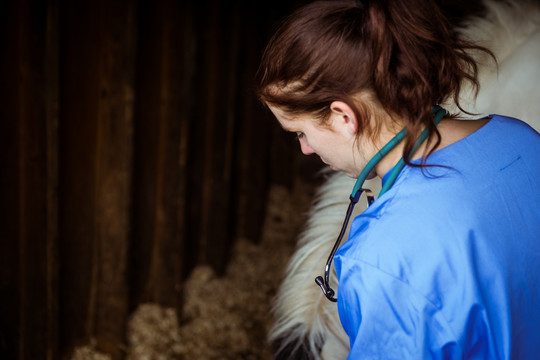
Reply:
x=160, y=163
x=193, y=248
x=95, y=175
x=257, y=164
x=220, y=51
x=79, y=93
x=113, y=173
x=187, y=63
x=29, y=182
x=9, y=184
x=51, y=133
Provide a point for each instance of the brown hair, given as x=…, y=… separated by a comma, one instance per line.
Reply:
x=404, y=53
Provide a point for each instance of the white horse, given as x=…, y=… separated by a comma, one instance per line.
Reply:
x=307, y=325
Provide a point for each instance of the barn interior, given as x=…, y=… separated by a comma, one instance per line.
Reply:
x=149, y=203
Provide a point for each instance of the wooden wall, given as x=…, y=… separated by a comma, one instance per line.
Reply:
x=132, y=149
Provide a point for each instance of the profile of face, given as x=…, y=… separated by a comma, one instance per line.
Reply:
x=335, y=141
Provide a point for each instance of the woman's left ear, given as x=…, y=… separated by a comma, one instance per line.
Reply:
x=344, y=116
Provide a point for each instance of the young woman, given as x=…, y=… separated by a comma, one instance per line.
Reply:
x=446, y=263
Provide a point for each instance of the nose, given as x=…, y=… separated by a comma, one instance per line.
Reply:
x=304, y=146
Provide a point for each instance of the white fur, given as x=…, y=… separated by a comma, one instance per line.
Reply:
x=301, y=305
x=512, y=32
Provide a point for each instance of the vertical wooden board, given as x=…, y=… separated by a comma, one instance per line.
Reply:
x=196, y=246
x=40, y=124
x=178, y=77
x=95, y=174
x=257, y=127
x=218, y=210
x=9, y=184
x=251, y=162
x=79, y=94
x=158, y=186
x=187, y=66
x=113, y=174
x=29, y=244
x=145, y=151
x=253, y=168
x=193, y=248
x=52, y=104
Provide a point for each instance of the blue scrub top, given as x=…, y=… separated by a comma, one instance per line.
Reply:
x=446, y=264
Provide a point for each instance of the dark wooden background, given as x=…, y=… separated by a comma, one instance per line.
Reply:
x=132, y=149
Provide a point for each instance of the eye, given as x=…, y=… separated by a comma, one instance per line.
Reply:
x=299, y=135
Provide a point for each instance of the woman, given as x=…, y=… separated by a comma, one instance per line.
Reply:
x=446, y=263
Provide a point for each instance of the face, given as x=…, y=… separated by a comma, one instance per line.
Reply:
x=334, y=143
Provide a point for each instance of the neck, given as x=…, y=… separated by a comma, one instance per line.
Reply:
x=451, y=131
x=389, y=160
x=392, y=157
x=420, y=146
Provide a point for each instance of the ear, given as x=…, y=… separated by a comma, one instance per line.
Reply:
x=344, y=116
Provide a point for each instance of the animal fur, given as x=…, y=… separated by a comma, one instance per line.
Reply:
x=307, y=325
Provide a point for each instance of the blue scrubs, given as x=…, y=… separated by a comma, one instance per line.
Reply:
x=446, y=264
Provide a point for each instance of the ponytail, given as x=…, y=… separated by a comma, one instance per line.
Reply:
x=404, y=53
x=421, y=62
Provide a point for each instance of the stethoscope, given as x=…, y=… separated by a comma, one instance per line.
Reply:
x=358, y=190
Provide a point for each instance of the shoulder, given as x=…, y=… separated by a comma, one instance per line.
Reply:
x=506, y=130
x=502, y=123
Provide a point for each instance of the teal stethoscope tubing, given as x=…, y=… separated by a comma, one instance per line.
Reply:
x=357, y=191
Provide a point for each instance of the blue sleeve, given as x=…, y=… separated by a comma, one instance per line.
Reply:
x=386, y=319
